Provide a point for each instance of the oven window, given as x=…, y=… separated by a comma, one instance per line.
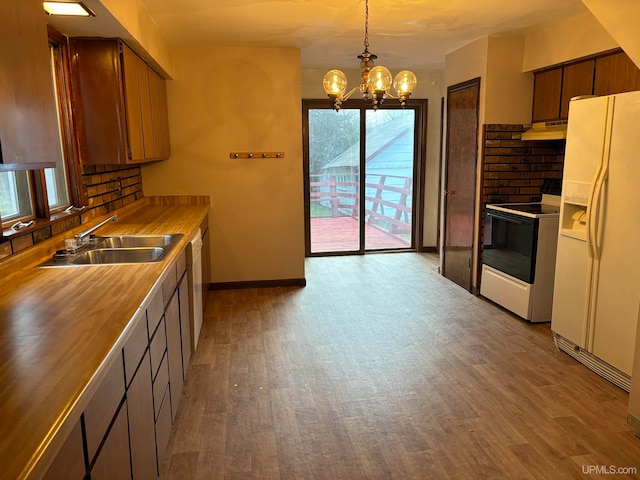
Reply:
x=509, y=244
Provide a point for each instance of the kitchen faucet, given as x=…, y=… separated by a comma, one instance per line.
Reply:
x=80, y=237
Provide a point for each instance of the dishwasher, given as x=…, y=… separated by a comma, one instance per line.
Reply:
x=194, y=272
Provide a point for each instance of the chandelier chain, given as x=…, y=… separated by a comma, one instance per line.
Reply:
x=376, y=81
x=366, y=25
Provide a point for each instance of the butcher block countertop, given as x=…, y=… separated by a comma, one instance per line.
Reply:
x=61, y=327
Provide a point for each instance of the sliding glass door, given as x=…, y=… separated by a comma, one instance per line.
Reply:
x=334, y=180
x=360, y=168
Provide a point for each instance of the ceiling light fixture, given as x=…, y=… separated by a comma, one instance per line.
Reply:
x=376, y=81
x=74, y=9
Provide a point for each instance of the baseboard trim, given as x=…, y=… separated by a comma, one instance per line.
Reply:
x=283, y=282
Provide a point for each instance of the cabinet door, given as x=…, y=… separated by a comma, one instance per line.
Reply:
x=156, y=113
x=164, y=119
x=616, y=74
x=29, y=136
x=141, y=423
x=145, y=108
x=131, y=66
x=113, y=462
x=98, y=101
x=103, y=406
x=163, y=429
x=577, y=79
x=185, y=324
x=547, y=88
x=174, y=348
x=69, y=463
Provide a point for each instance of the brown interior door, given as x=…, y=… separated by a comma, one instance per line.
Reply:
x=460, y=181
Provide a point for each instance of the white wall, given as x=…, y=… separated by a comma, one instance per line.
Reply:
x=620, y=18
x=508, y=91
x=577, y=36
x=142, y=32
x=239, y=99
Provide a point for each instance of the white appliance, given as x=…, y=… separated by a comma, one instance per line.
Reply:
x=194, y=272
x=518, y=256
x=597, y=282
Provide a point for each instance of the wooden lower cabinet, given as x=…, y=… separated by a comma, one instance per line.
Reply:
x=141, y=423
x=185, y=323
x=112, y=462
x=174, y=350
x=127, y=423
x=69, y=462
x=163, y=427
x=103, y=407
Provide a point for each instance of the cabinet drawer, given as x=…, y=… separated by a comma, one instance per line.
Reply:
x=155, y=310
x=135, y=347
x=103, y=406
x=160, y=385
x=169, y=285
x=182, y=264
x=158, y=347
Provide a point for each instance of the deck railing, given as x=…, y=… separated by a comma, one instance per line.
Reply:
x=338, y=193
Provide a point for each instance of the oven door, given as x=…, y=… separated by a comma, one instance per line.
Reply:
x=510, y=244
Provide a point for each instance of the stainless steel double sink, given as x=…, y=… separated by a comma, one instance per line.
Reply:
x=116, y=249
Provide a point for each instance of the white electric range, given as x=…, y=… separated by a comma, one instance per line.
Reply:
x=519, y=256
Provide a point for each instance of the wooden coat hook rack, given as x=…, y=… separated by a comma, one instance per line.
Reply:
x=256, y=155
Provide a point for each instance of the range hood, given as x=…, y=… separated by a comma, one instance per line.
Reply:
x=547, y=131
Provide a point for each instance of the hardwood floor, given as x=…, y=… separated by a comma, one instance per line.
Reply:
x=381, y=368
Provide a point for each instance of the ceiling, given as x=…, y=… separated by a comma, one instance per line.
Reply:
x=330, y=33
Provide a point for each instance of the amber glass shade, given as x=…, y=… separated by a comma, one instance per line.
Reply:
x=405, y=82
x=379, y=79
x=334, y=82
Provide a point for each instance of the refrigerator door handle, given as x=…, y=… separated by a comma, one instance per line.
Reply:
x=590, y=209
x=598, y=224
x=594, y=226
x=598, y=217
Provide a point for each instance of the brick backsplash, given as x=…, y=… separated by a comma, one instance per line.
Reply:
x=514, y=170
x=108, y=187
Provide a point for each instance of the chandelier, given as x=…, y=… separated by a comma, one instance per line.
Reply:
x=376, y=81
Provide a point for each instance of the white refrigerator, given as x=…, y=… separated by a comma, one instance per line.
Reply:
x=597, y=278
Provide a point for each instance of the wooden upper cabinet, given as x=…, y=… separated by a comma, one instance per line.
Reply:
x=133, y=102
x=577, y=80
x=606, y=74
x=29, y=134
x=118, y=111
x=616, y=74
x=547, y=91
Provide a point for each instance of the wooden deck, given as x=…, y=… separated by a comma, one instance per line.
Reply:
x=340, y=234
